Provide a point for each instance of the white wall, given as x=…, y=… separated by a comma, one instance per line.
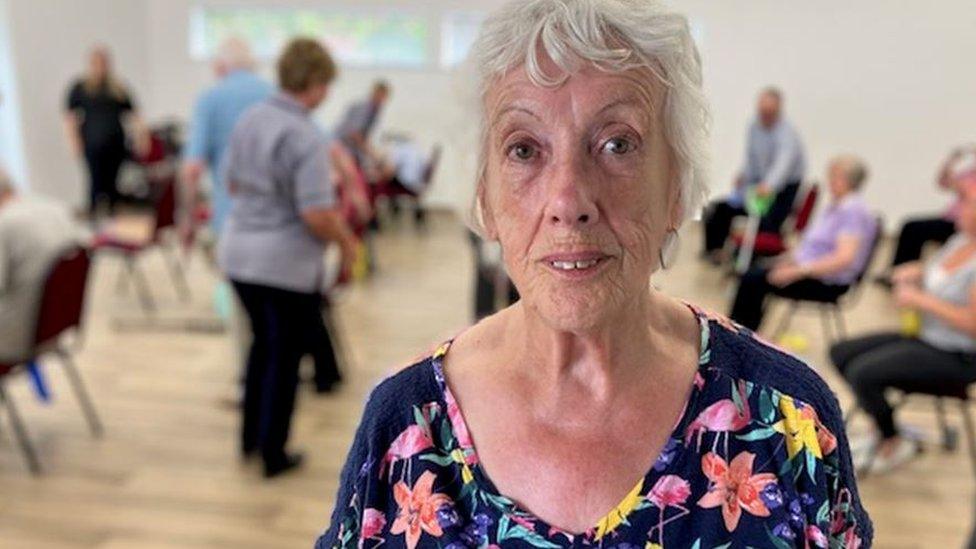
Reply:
x=49, y=43
x=891, y=81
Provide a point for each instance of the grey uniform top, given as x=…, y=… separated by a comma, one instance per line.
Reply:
x=33, y=233
x=277, y=167
x=953, y=287
x=773, y=155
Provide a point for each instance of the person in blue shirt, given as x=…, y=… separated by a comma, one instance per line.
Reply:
x=217, y=111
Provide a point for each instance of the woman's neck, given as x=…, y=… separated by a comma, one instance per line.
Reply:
x=600, y=359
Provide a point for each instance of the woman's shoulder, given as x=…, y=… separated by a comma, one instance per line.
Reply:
x=741, y=354
x=391, y=403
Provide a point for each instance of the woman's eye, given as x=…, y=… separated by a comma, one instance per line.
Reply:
x=618, y=145
x=522, y=151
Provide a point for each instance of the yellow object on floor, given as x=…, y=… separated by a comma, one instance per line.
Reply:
x=794, y=342
x=911, y=323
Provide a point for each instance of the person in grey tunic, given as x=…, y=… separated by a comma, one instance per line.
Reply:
x=360, y=119
x=283, y=213
x=34, y=231
x=774, y=166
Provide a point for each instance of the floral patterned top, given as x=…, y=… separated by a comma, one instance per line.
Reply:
x=758, y=459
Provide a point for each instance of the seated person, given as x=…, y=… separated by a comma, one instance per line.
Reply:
x=939, y=358
x=34, y=232
x=773, y=169
x=958, y=175
x=831, y=254
x=404, y=166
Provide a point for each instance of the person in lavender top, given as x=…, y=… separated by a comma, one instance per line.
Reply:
x=829, y=257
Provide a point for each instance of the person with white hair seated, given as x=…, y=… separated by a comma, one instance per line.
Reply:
x=596, y=411
x=217, y=111
x=34, y=232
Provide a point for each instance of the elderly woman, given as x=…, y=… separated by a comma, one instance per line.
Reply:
x=831, y=255
x=939, y=359
x=595, y=411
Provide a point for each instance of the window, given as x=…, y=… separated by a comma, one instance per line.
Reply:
x=458, y=32
x=361, y=39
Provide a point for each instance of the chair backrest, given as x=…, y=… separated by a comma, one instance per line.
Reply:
x=165, y=206
x=435, y=158
x=807, y=203
x=63, y=296
x=872, y=250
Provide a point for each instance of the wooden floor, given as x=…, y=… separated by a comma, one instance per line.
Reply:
x=166, y=473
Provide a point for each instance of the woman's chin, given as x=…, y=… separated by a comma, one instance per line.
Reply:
x=577, y=313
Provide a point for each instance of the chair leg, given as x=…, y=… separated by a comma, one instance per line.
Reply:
x=784, y=322
x=81, y=393
x=825, y=324
x=21, y=433
x=177, y=274
x=949, y=436
x=145, y=295
x=967, y=419
x=839, y=321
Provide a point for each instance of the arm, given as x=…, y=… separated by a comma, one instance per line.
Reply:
x=960, y=317
x=328, y=226
x=195, y=152
x=72, y=132
x=140, y=133
x=844, y=254
x=908, y=273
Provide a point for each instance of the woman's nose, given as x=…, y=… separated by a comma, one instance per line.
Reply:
x=570, y=202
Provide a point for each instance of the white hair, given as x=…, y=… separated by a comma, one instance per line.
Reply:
x=234, y=53
x=614, y=36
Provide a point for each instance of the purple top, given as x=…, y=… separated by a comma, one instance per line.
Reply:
x=851, y=217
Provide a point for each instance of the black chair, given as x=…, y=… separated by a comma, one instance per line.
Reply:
x=61, y=309
x=834, y=307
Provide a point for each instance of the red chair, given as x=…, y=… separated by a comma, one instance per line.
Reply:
x=164, y=219
x=773, y=243
x=61, y=308
x=392, y=191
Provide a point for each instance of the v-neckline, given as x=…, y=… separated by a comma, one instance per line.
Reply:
x=627, y=504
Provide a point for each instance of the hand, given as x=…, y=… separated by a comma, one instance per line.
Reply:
x=763, y=190
x=908, y=296
x=785, y=275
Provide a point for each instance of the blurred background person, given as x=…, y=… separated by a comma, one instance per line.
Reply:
x=774, y=165
x=34, y=232
x=957, y=175
x=939, y=359
x=284, y=211
x=217, y=111
x=359, y=120
x=97, y=109
x=830, y=255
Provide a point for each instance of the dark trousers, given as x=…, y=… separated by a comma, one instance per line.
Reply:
x=286, y=325
x=103, y=173
x=719, y=215
x=875, y=362
x=748, y=305
x=916, y=233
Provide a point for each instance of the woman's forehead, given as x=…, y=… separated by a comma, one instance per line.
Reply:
x=587, y=91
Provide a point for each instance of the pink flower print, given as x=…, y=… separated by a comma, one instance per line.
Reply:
x=373, y=523
x=669, y=491
x=817, y=537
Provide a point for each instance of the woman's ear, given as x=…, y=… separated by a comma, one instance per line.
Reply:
x=676, y=211
x=485, y=213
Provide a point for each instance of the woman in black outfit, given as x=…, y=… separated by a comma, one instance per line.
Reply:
x=96, y=108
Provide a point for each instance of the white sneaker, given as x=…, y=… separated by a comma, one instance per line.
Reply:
x=904, y=451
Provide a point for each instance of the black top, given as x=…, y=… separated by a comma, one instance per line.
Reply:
x=101, y=114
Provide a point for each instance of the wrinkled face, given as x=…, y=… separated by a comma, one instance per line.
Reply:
x=578, y=189
x=768, y=109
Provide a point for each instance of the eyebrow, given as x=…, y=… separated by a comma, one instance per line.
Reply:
x=516, y=108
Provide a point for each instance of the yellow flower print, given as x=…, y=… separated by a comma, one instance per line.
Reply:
x=800, y=429
x=617, y=517
x=458, y=456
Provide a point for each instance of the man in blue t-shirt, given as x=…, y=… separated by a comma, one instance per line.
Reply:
x=215, y=115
